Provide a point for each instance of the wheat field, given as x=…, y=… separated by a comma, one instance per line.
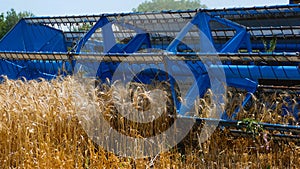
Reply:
x=40, y=128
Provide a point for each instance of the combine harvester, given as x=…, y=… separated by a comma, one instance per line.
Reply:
x=254, y=48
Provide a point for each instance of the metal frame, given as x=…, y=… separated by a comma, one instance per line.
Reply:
x=279, y=21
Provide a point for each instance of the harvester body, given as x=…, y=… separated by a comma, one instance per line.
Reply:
x=251, y=47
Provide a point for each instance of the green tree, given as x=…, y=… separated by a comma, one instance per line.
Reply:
x=2, y=25
x=159, y=5
x=10, y=19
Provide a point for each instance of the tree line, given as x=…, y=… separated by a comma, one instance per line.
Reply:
x=8, y=20
x=159, y=5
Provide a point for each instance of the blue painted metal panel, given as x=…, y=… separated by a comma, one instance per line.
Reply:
x=255, y=72
x=33, y=38
x=172, y=47
x=202, y=21
x=136, y=43
x=33, y=69
x=108, y=36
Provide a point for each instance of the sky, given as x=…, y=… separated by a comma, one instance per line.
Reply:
x=87, y=7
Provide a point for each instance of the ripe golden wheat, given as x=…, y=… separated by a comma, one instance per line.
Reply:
x=40, y=128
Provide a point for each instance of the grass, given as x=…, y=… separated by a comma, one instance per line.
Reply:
x=40, y=128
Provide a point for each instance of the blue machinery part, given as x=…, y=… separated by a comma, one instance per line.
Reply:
x=241, y=37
